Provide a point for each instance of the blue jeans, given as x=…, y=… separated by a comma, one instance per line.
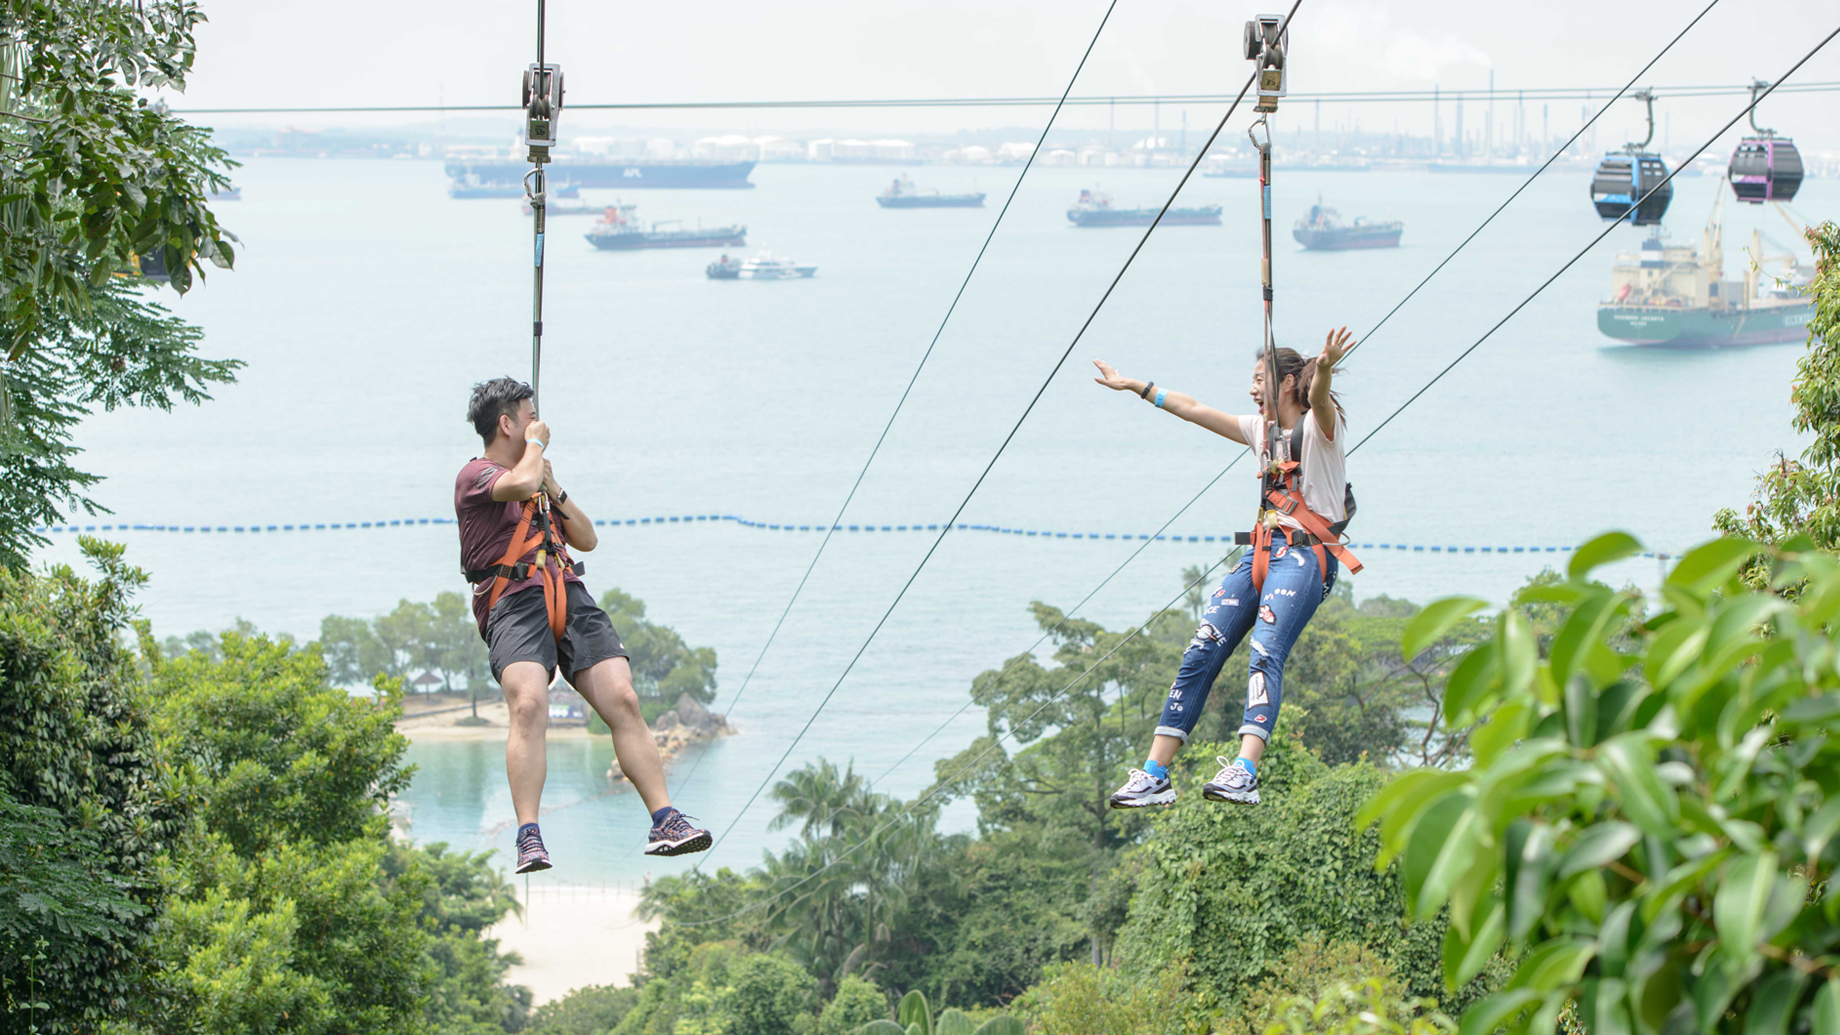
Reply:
x=1294, y=586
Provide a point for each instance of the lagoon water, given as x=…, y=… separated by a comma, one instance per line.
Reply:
x=366, y=303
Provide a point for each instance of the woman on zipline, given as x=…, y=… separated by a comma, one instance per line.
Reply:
x=1299, y=572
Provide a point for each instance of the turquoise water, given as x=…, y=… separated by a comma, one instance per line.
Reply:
x=366, y=303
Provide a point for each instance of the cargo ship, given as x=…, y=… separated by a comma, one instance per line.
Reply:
x=1095, y=209
x=474, y=189
x=625, y=174
x=903, y=194
x=618, y=230
x=1323, y=230
x=1676, y=296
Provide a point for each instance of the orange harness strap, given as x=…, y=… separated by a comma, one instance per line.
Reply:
x=555, y=596
x=1287, y=501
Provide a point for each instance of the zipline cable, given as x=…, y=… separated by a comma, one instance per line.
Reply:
x=905, y=392
x=972, y=700
x=1039, y=392
x=1594, y=242
x=962, y=770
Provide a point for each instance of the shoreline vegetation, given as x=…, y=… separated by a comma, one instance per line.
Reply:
x=448, y=717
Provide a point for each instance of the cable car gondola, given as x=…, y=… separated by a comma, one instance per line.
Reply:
x=1624, y=177
x=1765, y=167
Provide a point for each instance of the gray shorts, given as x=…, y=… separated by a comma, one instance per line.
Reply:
x=518, y=630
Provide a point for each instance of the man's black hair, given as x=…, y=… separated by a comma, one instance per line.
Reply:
x=492, y=400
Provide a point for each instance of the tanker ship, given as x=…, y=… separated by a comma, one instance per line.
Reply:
x=1095, y=209
x=619, y=231
x=1323, y=230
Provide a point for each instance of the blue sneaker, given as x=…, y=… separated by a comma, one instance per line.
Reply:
x=675, y=836
x=532, y=856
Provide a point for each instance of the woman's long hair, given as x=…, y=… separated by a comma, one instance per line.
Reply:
x=1292, y=364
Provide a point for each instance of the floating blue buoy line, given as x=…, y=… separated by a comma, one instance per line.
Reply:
x=791, y=526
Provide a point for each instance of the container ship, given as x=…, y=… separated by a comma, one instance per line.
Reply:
x=1323, y=230
x=903, y=194
x=627, y=174
x=1676, y=296
x=1095, y=209
x=618, y=230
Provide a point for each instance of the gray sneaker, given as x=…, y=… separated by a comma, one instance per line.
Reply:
x=1143, y=789
x=1233, y=783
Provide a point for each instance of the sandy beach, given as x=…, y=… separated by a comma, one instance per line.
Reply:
x=441, y=724
x=573, y=936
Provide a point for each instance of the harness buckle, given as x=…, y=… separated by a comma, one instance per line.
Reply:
x=520, y=571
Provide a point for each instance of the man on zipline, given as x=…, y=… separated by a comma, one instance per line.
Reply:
x=535, y=613
x=1297, y=572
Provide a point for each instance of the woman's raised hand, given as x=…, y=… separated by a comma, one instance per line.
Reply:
x=1112, y=379
x=1334, y=348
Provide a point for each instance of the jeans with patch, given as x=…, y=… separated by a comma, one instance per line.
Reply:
x=1294, y=586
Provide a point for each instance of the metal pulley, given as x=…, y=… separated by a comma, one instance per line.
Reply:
x=1268, y=41
x=542, y=109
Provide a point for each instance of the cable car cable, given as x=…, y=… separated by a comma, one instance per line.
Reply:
x=972, y=700
x=946, y=529
x=905, y=392
x=1594, y=242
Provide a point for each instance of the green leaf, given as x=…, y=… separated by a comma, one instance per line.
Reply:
x=1825, y=1012
x=881, y=1027
x=1737, y=906
x=1470, y=684
x=1708, y=566
x=1003, y=1025
x=1519, y=656
x=1611, y=546
x=1429, y=626
x=1580, y=711
x=1553, y=964
x=1713, y=992
x=1530, y=874
x=1463, y=960
x=1773, y=1002
x=1629, y=762
x=1493, y=1012
x=1821, y=827
x=1498, y=732
x=914, y=1011
x=1813, y=710
x=1599, y=844
x=1427, y=850
x=1588, y=894
x=1582, y=628
x=1401, y=803
x=1613, y=940
x=1610, y=1014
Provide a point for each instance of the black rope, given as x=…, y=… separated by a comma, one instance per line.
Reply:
x=1594, y=242
x=946, y=529
x=905, y=392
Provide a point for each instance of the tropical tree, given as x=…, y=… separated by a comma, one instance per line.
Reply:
x=1650, y=819
x=94, y=177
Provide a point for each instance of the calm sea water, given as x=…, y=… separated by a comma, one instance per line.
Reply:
x=366, y=303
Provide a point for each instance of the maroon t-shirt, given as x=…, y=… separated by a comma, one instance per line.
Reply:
x=486, y=527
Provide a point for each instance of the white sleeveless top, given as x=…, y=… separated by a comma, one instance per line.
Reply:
x=1324, y=477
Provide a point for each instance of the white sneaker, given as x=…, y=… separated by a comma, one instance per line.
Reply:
x=1233, y=783
x=1143, y=789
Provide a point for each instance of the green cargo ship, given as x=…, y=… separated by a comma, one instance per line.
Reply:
x=1676, y=296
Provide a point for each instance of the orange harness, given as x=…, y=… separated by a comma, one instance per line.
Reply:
x=1281, y=495
x=550, y=547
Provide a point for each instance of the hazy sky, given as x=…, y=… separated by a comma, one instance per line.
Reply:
x=342, y=52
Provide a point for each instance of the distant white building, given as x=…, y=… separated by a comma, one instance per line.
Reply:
x=1015, y=151
x=779, y=149
x=821, y=150
x=731, y=147
x=659, y=147
x=1059, y=156
x=891, y=150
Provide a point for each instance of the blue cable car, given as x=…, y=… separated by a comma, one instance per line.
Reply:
x=1624, y=179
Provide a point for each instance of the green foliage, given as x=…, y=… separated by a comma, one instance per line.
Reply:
x=663, y=666
x=1359, y=1007
x=439, y=637
x=1802, y=498
x=772, y=996
x=592, y=1010
x=857, y=1002
x=1308, y=968
x=463, y=895
x=1081, y=999
x=1650, y=819
x=720, y=987
x=94, y=177
x=85, y=810
x=914, y=1016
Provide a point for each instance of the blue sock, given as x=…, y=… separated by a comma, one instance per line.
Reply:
x=1247, y=762
x=526, y=826
x=662, y=814
x=1156, y=769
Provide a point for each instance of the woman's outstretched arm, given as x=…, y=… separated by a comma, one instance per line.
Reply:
x=1321, y=404
x=1183, y=406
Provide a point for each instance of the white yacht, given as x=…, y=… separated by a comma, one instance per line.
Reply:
x=767, y=266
